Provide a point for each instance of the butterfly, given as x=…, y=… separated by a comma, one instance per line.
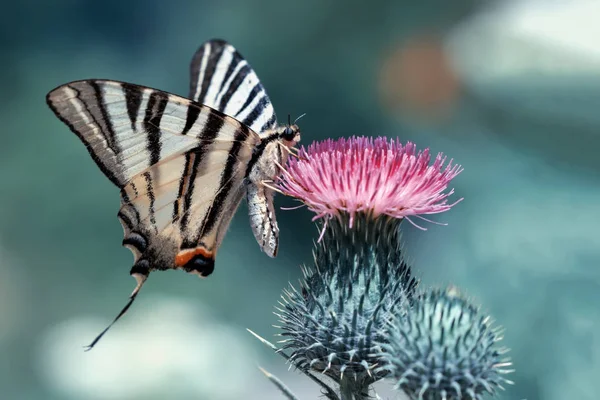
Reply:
x=183, y=165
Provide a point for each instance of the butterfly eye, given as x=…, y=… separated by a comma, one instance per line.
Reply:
x=288, y=133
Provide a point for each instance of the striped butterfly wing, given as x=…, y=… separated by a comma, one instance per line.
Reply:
x=180, y=167
x=222, y=79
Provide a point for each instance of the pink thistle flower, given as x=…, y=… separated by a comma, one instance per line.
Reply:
x=371, y=176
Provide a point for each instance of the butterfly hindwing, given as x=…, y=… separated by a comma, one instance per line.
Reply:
x=222, y=79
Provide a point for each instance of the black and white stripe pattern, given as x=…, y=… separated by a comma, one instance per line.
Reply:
x=180, y=165
x=222, y=79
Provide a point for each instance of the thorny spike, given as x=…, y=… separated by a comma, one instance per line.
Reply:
x=279, y=384
x=328, y=390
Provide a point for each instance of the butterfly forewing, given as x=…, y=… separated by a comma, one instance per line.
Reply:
x=222, y=79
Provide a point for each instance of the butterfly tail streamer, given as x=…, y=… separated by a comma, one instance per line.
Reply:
x=141, y=279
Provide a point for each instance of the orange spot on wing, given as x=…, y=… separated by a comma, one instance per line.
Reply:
x=184, y=256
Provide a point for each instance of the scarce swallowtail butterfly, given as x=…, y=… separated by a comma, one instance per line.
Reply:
x=183, y=165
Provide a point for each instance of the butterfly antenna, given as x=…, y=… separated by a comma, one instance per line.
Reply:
x=297, y=119
x=140, y=282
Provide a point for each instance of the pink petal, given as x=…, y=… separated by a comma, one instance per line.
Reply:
x=378, y=176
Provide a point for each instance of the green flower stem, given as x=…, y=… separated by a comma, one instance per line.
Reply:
x=351, y=390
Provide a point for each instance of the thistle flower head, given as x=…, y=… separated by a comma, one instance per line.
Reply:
x=370, y=176
x=358, y=316
x=444, y=349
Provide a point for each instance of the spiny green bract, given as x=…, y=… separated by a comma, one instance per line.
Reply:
x=358, y=283
x=444, y=349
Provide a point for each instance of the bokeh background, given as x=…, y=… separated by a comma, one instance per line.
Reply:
x=509, y=89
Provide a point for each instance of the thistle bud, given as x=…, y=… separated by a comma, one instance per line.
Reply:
x=444, y=349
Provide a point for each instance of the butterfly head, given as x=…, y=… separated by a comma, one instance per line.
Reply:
x=289, y=134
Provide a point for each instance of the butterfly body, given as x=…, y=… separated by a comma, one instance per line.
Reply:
x=183, y=165
x=265, y=167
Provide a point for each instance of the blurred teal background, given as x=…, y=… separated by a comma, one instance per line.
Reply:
x=510, y=90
